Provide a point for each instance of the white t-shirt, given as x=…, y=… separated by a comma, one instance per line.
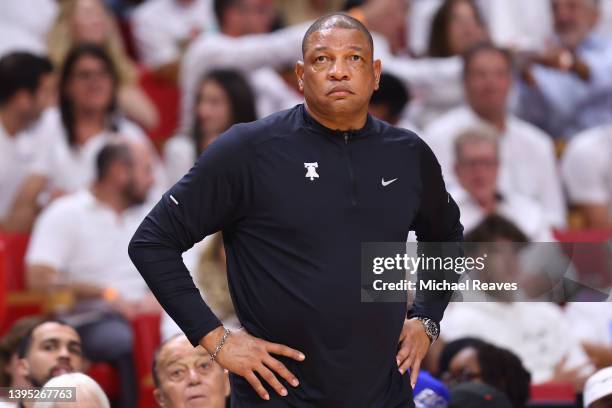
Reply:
x=525, y=213
x=179, y=157
x=587, y=167
x=17, y=156
x=34, y=18
x=591, y=321
x=72, y=168
x=527, y=159
x=537, y=332
x=86, y=241
x=16, y=39
x=160, y=26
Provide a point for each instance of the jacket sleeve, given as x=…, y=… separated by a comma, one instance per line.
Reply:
x=439, y=234
x=212, y=196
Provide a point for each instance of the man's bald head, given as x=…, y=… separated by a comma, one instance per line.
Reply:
x=336, y=20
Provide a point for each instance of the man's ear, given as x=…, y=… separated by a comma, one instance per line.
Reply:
x=299, y=73
x=377, y=70
x=23, y=368
x=159, y=397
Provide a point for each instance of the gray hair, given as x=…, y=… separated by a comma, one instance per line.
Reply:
x=481, y=133
x=87, y=390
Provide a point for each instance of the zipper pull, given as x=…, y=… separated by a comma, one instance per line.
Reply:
x=345, y=137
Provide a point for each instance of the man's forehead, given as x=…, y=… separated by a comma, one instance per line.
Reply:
x=55, y=331
x=337, y=37
x=180, y=349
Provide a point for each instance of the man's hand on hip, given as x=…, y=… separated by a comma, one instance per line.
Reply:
x=246, y=355
x=413, y=346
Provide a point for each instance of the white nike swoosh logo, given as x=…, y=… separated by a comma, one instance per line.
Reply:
x=386, y=183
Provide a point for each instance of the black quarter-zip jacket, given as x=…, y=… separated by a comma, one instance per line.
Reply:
x=294, y=201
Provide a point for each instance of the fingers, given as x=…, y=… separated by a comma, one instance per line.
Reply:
x=283, y=350
x=257, y=386
x=414, y=371
x=271, y=379
x=402, y=354
x=407, y=363
x=280, y=368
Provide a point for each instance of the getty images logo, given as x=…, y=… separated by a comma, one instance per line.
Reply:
x=311, y=170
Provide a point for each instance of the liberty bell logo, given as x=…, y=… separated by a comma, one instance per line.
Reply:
x=311, y=170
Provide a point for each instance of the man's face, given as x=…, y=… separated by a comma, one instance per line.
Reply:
x=338, y=74
x=32, y=104
x=573, y=20
x=188, y=378
x=55, y=349
x=140, y=174
x=477, y=167
x=487, y=83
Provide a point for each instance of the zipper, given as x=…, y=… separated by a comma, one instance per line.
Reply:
x=350, y=170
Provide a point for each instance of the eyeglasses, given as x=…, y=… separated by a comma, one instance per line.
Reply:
x=90, y=74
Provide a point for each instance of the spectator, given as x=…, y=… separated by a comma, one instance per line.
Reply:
x=237, y=47
x=478, y=395
x=295, y=12
x=497, y=367
x=598, y=389
x=49, y=349
x=477, y=169
x=456, y=27
x=527, y=158
x=10, y=374
x=587, y=173
x=592, y=327
x=224, y=98
x=87, y=119
x=164, y=28
x=88, y=392
x=390, y=101
x=185, y=376
x=534, y=331
x=27, y=87
x=88, y=21
x=569, y=88
x=108, y=290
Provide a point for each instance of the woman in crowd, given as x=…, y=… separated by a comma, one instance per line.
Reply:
x=88, y=21
x=483, y=362
x=87, y=118
x=224, y=98
x=456, y=26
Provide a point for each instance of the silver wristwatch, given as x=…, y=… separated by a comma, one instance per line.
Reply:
x=431, y=328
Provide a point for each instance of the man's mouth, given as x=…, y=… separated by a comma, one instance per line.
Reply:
x=340, y=91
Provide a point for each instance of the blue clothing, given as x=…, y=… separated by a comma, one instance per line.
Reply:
x=561, y=103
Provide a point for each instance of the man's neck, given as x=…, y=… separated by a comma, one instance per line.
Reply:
x=11, y=124
x=487, y=204
x=497, y=119
x=109, y=196
x=343, y=122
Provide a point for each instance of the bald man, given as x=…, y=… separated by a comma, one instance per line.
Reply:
x=295, y=195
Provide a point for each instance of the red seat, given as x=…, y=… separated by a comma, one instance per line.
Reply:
x=18, y=301
x=553, y=392
x=147, y=338
x=165, y=96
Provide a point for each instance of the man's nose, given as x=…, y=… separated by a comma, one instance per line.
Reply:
x=339, y=70
x=194, y=377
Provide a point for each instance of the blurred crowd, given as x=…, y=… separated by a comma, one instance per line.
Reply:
x=514, y=98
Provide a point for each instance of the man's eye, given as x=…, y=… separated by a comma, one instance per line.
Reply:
x=355, y=57
x=321, y=58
